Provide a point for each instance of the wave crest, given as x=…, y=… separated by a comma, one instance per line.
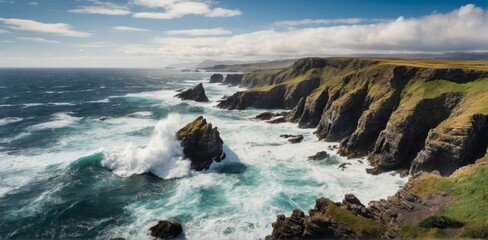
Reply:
x=163, y=156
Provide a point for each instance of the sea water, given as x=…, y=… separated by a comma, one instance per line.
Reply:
x=91, y=154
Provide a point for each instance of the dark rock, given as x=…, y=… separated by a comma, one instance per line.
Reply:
x=288, y=228
x=166, y=230
x=265, y=116
x=216, y=78
x=196, y=94
x=296, y=139
x=104, y=118
x=277, y=120
x=293, y=138
x=319, y=156
x=453, y=147
x=343, y=166
x=201, y=143
x=405, y=136
x=232, y=79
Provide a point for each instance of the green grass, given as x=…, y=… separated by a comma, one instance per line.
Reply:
x=469, y=189
x=417, y=232
x=357, y=224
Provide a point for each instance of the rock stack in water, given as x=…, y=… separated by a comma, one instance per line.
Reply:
x=233, y=79
x=166, y=230
x=201, y=143
x=196, y=94
x=216, y=78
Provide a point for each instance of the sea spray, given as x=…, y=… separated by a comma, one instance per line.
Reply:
x=163, y=156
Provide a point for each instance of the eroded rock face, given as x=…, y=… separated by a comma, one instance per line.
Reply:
x=201, y=143
x=232, y=79
x=449, y=148
x=166, y=230
x=196, y=93
x=216, y=78
x=405, y=135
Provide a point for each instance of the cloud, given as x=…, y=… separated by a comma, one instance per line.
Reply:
x=3, y=31
x=103, y=8
x=464, y=29
x=33, y=26
x=130, y=29
x=200, y=32
x=93, y=45
x=34, y=3
x=37, y=39
x=179, y=8
x=295, y=23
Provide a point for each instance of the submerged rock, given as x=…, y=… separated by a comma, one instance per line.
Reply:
x=293, y=138
x=201, y=143
x=196, y=94
x=166, y=230
x=216, y=78
x=319, y=156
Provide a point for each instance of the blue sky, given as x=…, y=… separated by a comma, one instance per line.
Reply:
x=154, y=33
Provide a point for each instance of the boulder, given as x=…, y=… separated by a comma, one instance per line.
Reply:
x=196, y=94
x=166, y=230
x=201, y=143
x=319, y=156
x=293, y=138
x=216, y=78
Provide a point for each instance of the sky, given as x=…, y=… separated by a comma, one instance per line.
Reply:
x=155, y=33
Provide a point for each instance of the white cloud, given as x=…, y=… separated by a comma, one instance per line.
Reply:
x=3, y=31
x=295, y=23
x=34, y=3
x=93, y=45
x=178, y=8
x=33, y=26
x=103, y=8
x=130, y=29
x=200, y=32
x=37, y=39
x=464, y=29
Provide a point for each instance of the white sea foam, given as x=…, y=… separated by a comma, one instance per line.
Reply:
x=105, y=100
x=162, y=156
x=58, y=120
x=141, y=114
x=8, y=120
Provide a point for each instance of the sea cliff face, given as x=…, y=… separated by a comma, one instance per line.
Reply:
x=402, y=114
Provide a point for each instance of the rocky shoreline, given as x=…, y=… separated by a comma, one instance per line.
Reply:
x=407, y=118
x=401, y=117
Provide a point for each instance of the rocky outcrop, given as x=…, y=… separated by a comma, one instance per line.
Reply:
x=196, y=93
x=216, y=78
x=350, y=219
x=319, y=156
x=293, y=138
x=449, y=148
x=166, y=230
x=340, y=120
x=201, y=143
x=280, y=96
x=405, y=135
x=232, y=79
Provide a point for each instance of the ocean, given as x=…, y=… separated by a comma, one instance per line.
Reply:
x=91, y=154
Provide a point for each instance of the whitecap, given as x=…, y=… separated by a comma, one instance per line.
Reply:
x=59, y=120
x=163, y=156
x=8, y=120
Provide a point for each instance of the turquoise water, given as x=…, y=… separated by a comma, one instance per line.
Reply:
x=65, y=173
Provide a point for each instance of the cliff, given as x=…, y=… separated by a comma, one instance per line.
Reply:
x=410, y=115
